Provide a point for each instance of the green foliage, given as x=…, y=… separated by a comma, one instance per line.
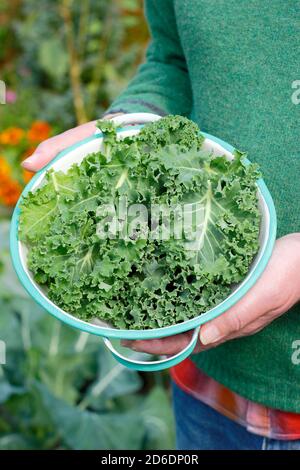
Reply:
x=67, y=52
x=21, y=112
x=143, y=279
x=62, y=389
x=52, y=58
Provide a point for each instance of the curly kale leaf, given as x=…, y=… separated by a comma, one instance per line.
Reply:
x=170, y=130
x=141, y=281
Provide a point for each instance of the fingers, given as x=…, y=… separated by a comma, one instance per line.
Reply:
x=170, y=345
x=248, y=316
x=174, y=344
x=265, y=301
x=48, y=149
x=167, y=346
x=258, y=308
x=229, y=324
x=248, y=310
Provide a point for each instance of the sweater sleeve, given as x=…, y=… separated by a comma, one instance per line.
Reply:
x=162, y=83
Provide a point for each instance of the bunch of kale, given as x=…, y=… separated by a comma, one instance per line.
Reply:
x=143, y=280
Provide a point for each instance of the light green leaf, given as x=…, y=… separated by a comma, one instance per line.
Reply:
x=159, y=420
x=92, y=431
x=53, y=57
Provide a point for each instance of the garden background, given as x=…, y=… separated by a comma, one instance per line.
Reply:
x=63, y=62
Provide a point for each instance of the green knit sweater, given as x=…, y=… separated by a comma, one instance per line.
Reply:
x=230, y=65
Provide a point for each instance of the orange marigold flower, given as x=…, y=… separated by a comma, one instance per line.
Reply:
x=10, y=192
x=39, y=131
x=10, y=189
x=12, y=198
x=27, y=175
x=4, y=168
x=11, y=136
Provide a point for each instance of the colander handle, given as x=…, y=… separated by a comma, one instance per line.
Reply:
x=133, y=118
x=151, y=366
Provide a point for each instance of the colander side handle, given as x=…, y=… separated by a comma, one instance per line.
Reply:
x=151, y=366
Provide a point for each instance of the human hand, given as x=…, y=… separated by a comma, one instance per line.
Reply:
x=47, y=150
x=275, y=292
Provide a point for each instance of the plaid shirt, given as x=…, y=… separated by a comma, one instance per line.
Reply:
x=257, y=418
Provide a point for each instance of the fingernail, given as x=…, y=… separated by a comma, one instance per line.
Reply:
x=28, y=162
x=32, y=159
x=210, y=334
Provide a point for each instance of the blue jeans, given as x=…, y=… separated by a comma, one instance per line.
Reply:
x=200, y=427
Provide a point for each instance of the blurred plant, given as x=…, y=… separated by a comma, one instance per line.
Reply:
x=60, y=389
x=15, y=145
x=10, y=189
x=63, y=62
x=75, y=57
